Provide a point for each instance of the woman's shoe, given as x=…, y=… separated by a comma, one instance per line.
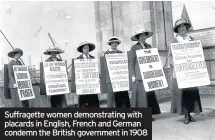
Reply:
x=192, y=119
x=186, y=121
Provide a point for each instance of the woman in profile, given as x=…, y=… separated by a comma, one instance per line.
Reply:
x=184, y=101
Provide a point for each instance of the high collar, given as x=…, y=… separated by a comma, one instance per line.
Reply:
x=86, y=55
x=111, y=50
x=183, y=39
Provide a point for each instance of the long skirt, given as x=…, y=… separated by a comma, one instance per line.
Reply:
x=15, y=101
x=117, y=99
x=140, y=98
x=185, y=100
x=58, y=101
x=89, y=101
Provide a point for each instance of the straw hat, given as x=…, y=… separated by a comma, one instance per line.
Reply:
x=82, y=44
x=53, y=49
x=135, y=37
x=13, y=52
x=114, y=39
x=179, y=22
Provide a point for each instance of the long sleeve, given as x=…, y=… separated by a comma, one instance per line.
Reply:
x=11, y=74
x=170, y=56
x=133, y=60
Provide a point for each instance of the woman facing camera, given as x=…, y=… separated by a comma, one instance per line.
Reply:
x=184, y=101
x=139, y=97
x=90, y=100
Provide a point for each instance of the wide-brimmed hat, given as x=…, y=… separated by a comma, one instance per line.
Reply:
x=82, y=44
x=53, y=49
x=179, y=22
x=135, y=37
x=114, y=39
x=13, y=52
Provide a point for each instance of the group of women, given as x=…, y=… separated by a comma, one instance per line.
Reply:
x=184, y=101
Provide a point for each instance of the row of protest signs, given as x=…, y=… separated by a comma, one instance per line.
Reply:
x=189, y=65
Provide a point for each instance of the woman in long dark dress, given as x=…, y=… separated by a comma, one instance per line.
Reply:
x=57, y=101
x=139, y=97
x=115, y=99
x=184, y=101
x=90, y=100
x=15, y=54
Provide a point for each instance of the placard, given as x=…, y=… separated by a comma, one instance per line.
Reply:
x=189, y=64
x=56, y=78
x=151, y=69
x=87, y=76
x=23, y=81
x=118, y=71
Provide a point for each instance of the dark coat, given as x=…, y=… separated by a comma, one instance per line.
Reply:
x=135, y=69
x=139, y=97
x=10, y=72
x=55, y=100
x=82, y=57
x=90, y=100
x=15, y=101
x=184, y=100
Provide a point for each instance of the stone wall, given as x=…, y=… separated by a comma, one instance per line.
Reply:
x=123, y=18
x=167, y=92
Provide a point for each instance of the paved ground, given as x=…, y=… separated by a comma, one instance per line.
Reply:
x=171, y=127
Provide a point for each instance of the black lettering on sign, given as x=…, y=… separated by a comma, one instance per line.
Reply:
x=57, y=86
x=186, y=46
x=22, y=76
x=50, y=64
x=56, y=76
x=88, y=75
x=59, y=64
x=87, y=86
x=150, y=66
x=88, y=90
x=190, y=66
x=153, y=74
x=21, y=69
x=23, y=84
x=119, y=67
x=86, y=65
x=155, y=84
x=120, y=84
x=148, y=59
x=118, y=62
x=26, y=93
x=55, y=69
x=147, y=51
x=57, y=90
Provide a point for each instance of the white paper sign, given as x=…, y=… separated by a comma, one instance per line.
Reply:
x=87, y=76
x=151, y=69
x=189, y=64
x=118, y=71
x=23, y=81
x=56, y=78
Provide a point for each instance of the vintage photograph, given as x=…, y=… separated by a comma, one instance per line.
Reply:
x=113, y=54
